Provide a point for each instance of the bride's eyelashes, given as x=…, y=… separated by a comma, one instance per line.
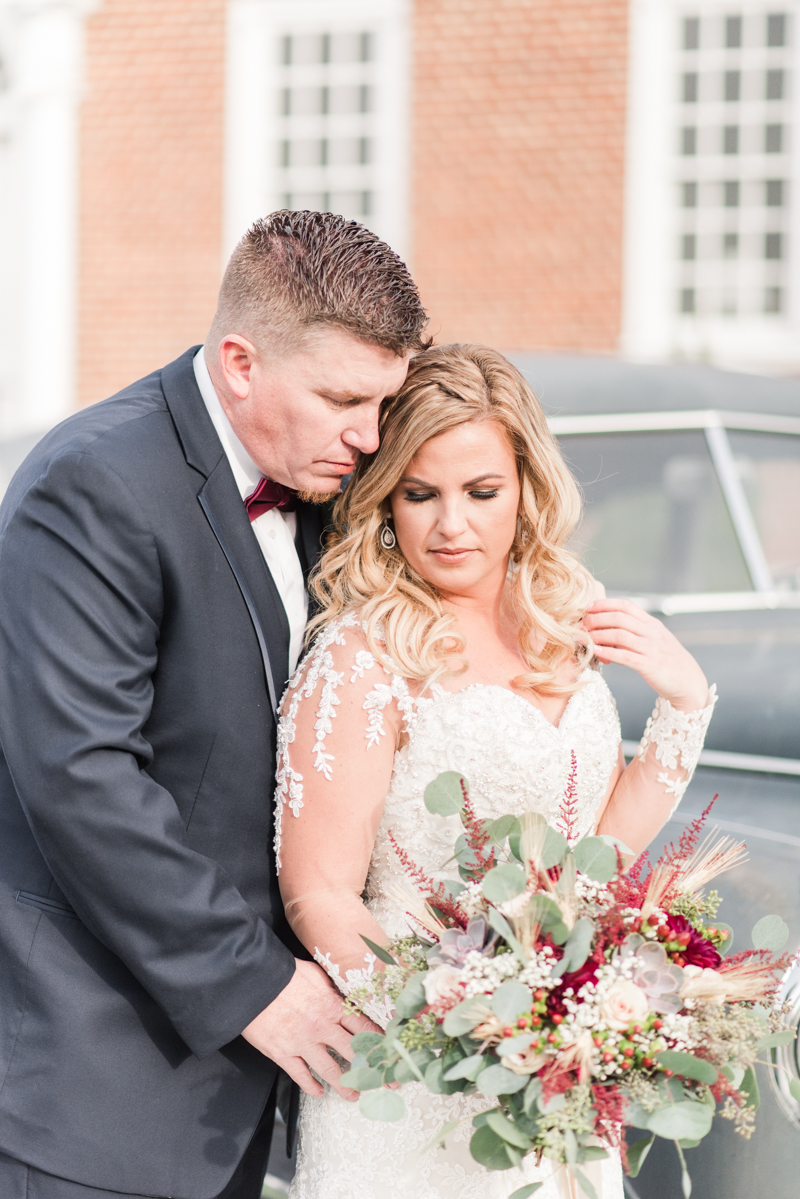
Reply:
x=419, y=497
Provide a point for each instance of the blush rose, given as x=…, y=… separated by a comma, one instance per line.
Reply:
x=625, y=1003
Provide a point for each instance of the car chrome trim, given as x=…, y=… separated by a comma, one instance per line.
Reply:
x=645, y=422
x=785, y=1067
x=715, y=601
x=723, y=760
x=731, y=484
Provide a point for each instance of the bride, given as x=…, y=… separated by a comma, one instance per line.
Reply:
x=455, y=632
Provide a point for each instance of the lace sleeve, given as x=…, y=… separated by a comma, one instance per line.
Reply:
x=678, y=739
x=320, y=674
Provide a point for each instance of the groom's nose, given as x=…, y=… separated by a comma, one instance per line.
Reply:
x=362, y=434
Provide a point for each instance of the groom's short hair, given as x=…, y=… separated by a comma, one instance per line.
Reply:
x=294, y=271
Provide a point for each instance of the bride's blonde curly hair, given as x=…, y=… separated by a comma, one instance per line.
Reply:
x=402, y=613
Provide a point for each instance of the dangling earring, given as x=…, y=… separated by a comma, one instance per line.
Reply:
x=388, y=539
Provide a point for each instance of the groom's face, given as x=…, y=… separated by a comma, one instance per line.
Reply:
x=306, y=417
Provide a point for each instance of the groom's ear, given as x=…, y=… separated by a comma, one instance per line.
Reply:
x=236, y=357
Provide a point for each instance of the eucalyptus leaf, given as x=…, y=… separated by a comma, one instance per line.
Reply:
x=409, y=1061
x=526, y=1191
x=444, y=797
x=465, y=1015
x=499, y=829
x=380, y=953
x=532, y=1093
x=770, y=933
x=584, y=1183
x=555, y=848
x=503, y=883
x=511, y=1000
x=382, y=1105
x=727, y=944
x=749, y=1088
x=553, y=1104
x=501, y=926
x=591, y=1153
x=570, y=1147
x=775, y=1039
x=514, y=1044
x=362, y=1042
x=576, y=949
x=363, y=1078
x=734, y=1074
x=688, y=1065
x=595, y=859
x=686, y=1182
x=794, y=1089
x=489, y=1149
x=411, y=998
x=468, y=1067
x=506, y=1129
x=636, y=1116
x=496, y=1080
x=615, y=844
x=679, y=1121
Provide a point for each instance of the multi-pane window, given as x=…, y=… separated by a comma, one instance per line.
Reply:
x=734, y=240
x=318, y=111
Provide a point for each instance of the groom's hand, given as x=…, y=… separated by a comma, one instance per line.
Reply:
x=299, y=1027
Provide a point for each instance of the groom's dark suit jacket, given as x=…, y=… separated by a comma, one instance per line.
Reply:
x=142, y=644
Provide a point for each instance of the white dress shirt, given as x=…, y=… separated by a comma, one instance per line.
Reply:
x=275, y=530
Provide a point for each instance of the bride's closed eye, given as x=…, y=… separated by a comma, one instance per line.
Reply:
x=419, y=497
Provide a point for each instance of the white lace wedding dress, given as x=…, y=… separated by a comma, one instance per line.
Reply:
x=515, y=761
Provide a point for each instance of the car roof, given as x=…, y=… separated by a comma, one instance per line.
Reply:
x=572, y=384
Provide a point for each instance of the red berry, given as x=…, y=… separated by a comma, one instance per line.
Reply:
x=608, y=1057
x=637, y=1028
x=652, y=920
x=557, y=1019
x=552, y=1037
x=536, y=1020
x=626, y=1065
x=538, y=995
x=684, y=939
x=508, y=1032
x=668, y=1073
x=535, y=1044
x=598, y=1041
x=678, y=960
x=522, y=1022
x=664, y=931
x=658, y=1024
x=648, y=1063
x=628, y=1052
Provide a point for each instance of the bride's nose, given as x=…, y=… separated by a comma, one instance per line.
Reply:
x=451, y=518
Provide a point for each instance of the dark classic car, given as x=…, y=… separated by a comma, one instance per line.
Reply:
x=691, y=478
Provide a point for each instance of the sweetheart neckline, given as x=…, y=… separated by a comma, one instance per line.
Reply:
x=557, y=728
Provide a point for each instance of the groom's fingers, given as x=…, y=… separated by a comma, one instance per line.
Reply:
x=355, y=1024
x=299, y=1072
x=325, y=1068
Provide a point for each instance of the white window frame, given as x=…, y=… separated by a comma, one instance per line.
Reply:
x=253, y=128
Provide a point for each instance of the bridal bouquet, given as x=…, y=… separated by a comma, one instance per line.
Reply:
x=577, y=998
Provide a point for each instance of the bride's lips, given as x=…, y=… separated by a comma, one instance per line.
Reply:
x=452, y=557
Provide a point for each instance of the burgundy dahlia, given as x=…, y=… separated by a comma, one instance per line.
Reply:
x=698, y=951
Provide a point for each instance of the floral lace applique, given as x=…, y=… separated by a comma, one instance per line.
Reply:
x=379, y=1013
x=320, y=663
x=678, y=738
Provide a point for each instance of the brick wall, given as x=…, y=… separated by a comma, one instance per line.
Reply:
x=151, y=186
x=519, y=111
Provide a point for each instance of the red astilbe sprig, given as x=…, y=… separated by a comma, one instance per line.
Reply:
x=433, y=893
x=568, y=812
x=610, y=1104
x=476, y=837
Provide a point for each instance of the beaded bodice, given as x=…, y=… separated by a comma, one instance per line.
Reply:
x=514, y=759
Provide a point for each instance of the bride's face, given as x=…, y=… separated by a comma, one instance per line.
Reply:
x=455, y=509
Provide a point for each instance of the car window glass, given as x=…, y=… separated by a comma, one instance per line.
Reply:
x=655, y=520
x=769, y=467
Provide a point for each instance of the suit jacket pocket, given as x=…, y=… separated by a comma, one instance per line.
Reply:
x=53, y=906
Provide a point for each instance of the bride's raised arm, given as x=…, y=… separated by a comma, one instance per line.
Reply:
x=643, y=796
x=338, y=734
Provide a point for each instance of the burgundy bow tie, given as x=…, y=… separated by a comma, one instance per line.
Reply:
x=269, y=495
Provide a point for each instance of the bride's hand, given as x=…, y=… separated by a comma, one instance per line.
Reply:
x=624, y=633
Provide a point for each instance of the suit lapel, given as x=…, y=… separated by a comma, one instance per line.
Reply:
x=220, y=500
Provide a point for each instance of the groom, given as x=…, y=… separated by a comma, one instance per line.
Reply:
x=153, y=557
